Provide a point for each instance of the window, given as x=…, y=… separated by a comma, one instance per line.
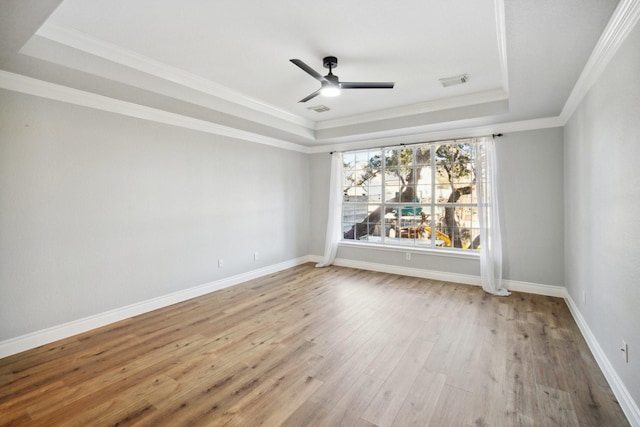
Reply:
x=422, y=195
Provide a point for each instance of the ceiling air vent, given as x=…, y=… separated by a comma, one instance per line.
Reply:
x=320, y=108
x=455, y=80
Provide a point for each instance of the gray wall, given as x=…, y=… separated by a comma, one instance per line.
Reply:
x=602, y=210
x=99, y=211
x=532, y=213
x=531, y=184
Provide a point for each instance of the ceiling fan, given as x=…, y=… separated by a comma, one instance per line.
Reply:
x=330, y=84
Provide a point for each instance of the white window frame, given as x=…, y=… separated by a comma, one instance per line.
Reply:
x=383, y=242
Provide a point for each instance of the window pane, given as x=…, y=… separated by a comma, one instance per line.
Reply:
x=467, y=221
x=408, y=194
x=392, y=183
x=455, y=163
x=458, y=226
x=390, y=157
x=422, y=155
x=349, y=160
x=352, y=214
x=361, y=221
x=423, y=193
x=465, y=193
x=399, y=158
x=443, y=193
x=375, y=192
x=411, y=224
x=349, y=182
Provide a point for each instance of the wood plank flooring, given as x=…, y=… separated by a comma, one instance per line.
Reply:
x=320, y=347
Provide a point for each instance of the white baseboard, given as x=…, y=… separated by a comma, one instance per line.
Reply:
x=409, y=271
x=65, y=330
x=535, y=288
x=466, y=279
x=628, y=405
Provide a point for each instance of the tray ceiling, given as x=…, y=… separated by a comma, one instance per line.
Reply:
x=227, y=62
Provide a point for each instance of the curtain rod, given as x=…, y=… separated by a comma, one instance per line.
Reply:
x=493, y=135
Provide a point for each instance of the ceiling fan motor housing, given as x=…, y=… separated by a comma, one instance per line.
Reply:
x=330, y=62
x=332, y=79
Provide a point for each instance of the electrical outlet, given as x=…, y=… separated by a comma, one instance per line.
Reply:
x=220, y=262
x=407, y=256
x=256, y=256
x=625, y=351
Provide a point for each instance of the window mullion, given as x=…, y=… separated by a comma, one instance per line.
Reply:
x=432, y=218
x=383, y=197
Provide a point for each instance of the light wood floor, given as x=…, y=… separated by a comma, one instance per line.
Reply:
x=331, y=347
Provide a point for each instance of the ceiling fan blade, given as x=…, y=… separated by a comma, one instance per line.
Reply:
x=313, y=95
x=313, y=73
x=367, y=85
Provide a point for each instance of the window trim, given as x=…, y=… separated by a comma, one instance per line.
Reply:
x=432, y=205
x=450, y=252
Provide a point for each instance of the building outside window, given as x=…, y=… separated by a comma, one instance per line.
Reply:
x=420, y=195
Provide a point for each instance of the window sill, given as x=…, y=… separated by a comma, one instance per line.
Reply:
x=453, y=253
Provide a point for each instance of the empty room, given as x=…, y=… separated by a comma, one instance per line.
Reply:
x=320, y=213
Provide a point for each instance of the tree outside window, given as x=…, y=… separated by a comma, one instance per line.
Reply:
x=423, y=195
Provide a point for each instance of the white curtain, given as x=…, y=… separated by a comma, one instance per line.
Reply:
x=334, y=217
x=488, y=213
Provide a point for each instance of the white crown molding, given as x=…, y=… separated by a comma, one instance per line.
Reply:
x=49, y=335
x=628, y=405
x=622, y=22
x=438, y=135
x=43, y=89
x=502, y=43
x=31, y=86
x=83, y=42
x=409, y=110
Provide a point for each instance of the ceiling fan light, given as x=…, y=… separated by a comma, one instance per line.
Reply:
x=330, y=90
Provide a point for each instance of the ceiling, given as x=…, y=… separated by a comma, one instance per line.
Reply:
x=225, y=64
